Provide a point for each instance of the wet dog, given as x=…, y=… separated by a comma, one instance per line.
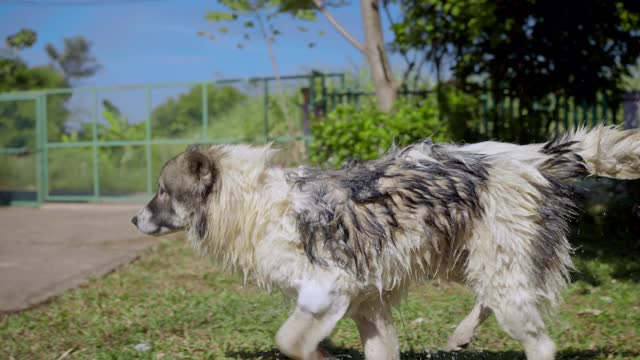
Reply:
x=348, y=242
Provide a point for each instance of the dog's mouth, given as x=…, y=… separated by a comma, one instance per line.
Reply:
x=162, y=230
x=156, y=230
x=144, y=222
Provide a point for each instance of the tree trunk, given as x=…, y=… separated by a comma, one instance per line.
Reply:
x=376, y=53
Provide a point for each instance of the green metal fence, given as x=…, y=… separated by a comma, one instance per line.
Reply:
x=493, y=119
x=108, y=143
x=507, y=117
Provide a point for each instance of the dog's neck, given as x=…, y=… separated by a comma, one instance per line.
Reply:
x=248, y=201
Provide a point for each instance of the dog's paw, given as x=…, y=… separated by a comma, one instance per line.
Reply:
x=453, y=345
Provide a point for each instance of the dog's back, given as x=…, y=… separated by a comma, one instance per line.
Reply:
x=429, y=208
x=400, y=215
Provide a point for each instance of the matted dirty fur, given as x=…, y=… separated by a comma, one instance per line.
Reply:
x=347, y=242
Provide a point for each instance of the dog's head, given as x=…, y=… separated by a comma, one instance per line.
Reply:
x=186, y=182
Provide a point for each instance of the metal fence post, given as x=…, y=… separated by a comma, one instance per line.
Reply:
x=324, y=94
x=575, y=113
x=45, y=150
x=39, y=151
x=311, y=103
x=94, y=140
x=265, y=86
x=565, y=105
x=148, y=140
x=205, y=112
x=604, y=109
x=630, y=109
x=485, y=110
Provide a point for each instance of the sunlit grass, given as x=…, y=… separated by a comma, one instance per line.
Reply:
x=179, y=305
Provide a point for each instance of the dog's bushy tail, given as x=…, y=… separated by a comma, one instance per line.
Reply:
x=604, y=151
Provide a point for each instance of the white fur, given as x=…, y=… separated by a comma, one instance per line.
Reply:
x=252, y=229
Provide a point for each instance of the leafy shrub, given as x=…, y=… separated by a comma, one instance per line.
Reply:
x=461, y=112
x=178, y=117
x=364, y=133
x=18, y=172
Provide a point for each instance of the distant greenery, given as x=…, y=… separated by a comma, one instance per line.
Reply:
x=363, y=133
x=17, y=118
x=177, y=117
x=631, y=82
x=234, y=115
x=75, y=60
x=525, y=50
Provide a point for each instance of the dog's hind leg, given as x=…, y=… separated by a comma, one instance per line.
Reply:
x=377, y=331
x=466, y=329
x=299, y=336
x=523, y=322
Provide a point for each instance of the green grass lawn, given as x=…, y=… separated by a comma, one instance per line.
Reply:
x=179, y=305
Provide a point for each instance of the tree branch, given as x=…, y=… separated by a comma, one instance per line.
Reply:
x=423, y=59
x=410, y=65
x=403, y=52
x=320, y=5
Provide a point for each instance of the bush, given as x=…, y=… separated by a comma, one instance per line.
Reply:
x=350, y=133
x=461, y=112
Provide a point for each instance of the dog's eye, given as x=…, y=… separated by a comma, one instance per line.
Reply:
x=161, y=191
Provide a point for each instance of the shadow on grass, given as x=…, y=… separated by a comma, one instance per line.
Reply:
x=343, y=353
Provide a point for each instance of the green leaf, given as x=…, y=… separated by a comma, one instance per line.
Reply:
x=249, y=24
x=112, y=120
x=303, y=29
x=307, y=15
x=217, y=16
x=237, y=5
x=240, y=46
x=223, y=30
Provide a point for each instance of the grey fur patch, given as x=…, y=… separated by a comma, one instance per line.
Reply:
x=355, y=213
x=162, y=212
x=564, y=163
x=556, y=210
x=557, y=207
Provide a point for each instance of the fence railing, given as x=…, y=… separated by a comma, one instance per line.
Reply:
x=108, y=143
x=504, y=119
x=500, y=119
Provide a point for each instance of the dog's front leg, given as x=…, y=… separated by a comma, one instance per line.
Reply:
x=377, y=331
x=315, y=315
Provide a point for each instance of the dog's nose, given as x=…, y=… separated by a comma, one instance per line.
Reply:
x=134, y=220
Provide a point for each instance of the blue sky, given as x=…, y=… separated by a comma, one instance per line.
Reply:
x=157, y=41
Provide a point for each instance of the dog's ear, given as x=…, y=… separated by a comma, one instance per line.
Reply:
x=200, y=166
x=193, y=147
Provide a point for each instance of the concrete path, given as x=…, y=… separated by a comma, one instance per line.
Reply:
x=45, y=251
